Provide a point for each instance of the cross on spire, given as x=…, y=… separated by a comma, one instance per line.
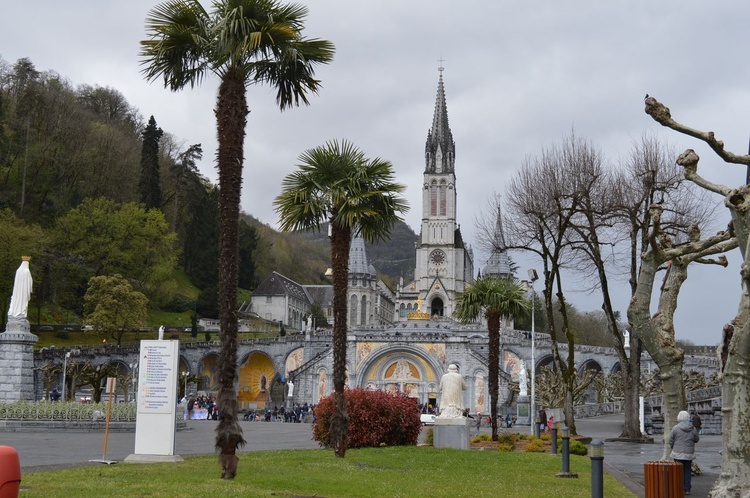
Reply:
x=440, y=67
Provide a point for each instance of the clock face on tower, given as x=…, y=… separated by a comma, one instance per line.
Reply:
x=437, y=257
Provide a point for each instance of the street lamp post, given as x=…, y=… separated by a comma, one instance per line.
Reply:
x=133, y=368
x=65, y=369
x=532, y=416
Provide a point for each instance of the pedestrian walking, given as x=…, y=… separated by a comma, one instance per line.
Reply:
x=697, y=422
x=543, y=419
x=682, y=440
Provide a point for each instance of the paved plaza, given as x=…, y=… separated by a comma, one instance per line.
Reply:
x=60, y=449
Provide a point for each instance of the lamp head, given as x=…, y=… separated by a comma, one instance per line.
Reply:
x=533, y=275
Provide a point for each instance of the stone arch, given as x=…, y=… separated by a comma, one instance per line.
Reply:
x=208, y=368
x=257, y=375
x=511, y=363
x=437, y=307
x=590, y=395
x=353, y=301
x=381, y=371
x=120, y=369
x=590, y=364
x=294, y=360
x=615, y=368
x=545, y=361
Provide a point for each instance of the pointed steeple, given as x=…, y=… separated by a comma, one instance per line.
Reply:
x=440, y=151
x=358, y=257
x=499, y=263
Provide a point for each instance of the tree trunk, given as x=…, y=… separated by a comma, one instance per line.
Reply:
x=631, y=376
x=493, y=327
x=734, y=355
x=231, y=117
x=340, y=242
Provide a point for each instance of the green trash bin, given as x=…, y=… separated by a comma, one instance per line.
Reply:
x=10, y=472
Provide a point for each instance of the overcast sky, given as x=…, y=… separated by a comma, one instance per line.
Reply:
x=518, y=77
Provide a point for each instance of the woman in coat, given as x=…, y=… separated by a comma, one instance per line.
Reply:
x=682, y=440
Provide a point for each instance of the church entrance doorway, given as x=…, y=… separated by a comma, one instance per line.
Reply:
x=437, y=307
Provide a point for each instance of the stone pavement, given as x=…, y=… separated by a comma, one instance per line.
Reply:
x=625, y=460
x=49, y=450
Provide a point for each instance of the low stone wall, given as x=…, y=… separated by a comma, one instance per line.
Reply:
x=705, y=402
x=584, y=411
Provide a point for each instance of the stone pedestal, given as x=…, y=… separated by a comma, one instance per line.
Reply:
x=523, y=409
x=17, y=361
x=451, y=433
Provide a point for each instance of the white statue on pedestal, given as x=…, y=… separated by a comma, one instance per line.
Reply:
x=452, y=386
x=19, y=301
x=291, y=387
x=522, y=380
x=161, y=333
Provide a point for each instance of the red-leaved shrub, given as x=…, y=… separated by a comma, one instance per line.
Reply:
x=376, y=418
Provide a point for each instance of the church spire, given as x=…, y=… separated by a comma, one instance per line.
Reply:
x=499, y=263
x=440, y=151
x=358, y=263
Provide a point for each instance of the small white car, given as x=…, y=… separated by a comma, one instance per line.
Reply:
x=427, y=419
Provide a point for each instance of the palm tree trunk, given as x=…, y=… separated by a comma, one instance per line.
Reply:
x=231, y=116
x=493, y=327
x=340, y=242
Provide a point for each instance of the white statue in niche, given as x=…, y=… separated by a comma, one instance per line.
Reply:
x=522, y=380
x=291, y=388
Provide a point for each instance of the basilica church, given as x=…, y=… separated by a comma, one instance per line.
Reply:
x=399, y=340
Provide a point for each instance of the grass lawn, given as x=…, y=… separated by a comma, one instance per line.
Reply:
x=372, y=472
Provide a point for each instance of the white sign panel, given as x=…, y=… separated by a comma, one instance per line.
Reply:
x=157, y=398
x=157, y=377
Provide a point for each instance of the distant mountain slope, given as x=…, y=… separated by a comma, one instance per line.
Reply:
x=308, y=254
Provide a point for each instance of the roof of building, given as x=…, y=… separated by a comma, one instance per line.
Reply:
x=278, y=285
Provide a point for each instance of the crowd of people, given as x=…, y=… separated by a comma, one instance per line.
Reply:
x=202, y=407
x=298, y=414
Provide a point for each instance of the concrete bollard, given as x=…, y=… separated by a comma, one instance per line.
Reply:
x=554, y=439
x=596, y=454
x=566, y=454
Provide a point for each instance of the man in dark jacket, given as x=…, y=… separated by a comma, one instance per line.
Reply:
x=697, y=423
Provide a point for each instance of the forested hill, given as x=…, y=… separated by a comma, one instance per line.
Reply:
x=90, y=186
x=392, y=259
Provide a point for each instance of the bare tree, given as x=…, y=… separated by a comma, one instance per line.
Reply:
x=543, y=200
x=734, y=349
x=657, y=330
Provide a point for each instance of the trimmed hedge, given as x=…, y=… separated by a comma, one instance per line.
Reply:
x=376, y=418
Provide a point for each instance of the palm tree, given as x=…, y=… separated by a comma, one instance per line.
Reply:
x=494, y=298
x=242, y=42
x=337, y=184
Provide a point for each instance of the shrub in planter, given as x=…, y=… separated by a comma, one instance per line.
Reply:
x=507, y=438
x=536, y=445
x=375, y=418
x=481, y=438
x=578, y=448
x=505, y=447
